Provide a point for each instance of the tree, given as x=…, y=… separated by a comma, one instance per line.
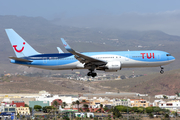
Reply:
x=165, y=97
x=101, y=106
x=83, y=101
x=55, y=103
x=166, y=116
x=26, y=105
x=116, y=113
x=106, y=108
x=77, y=103
x=47, y=109
x=177, y=93
x=64, y=104
x=149, y=110
x=37, y=107
x=85, y=105
x=140, y=110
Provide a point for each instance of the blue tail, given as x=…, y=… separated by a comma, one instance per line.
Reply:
x=20, y=46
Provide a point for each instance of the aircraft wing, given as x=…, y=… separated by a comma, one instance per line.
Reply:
x=83, y=58
x=20, y=59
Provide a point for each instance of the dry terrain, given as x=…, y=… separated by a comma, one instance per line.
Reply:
x=168, y=83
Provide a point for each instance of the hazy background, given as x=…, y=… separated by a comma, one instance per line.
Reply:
x=163, y=15
x=94, y=25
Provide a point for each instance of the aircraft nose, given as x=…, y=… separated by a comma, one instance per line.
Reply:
x=172, y=58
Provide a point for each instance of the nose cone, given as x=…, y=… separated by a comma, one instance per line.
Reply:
x=171, y=58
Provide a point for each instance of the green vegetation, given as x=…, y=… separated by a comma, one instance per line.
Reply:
x=165, y=97
x=37, y=107
x=116, y=113
x=64, y=104
x=47, y=109
x=139, y=110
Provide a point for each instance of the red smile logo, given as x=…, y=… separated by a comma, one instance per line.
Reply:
x=65, y=45
x=17, y=49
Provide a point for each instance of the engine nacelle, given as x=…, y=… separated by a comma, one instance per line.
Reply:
x=113, y=66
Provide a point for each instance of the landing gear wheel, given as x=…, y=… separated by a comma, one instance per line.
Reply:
x=89, y=73
x=162, y=71
x=94, y=74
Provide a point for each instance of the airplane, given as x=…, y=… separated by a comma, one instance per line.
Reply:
x=111, y=61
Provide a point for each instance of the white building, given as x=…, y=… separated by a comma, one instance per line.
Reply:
x=67, y=99
x=168, y=96
x=170, y=105
x=159, y=96
x=157, y=102
x=124, y=102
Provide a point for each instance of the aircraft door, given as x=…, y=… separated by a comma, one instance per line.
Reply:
x=158, y=56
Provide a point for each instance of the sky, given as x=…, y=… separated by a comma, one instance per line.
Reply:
x=163, y=15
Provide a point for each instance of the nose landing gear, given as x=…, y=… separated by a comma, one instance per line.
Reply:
x=162, y=70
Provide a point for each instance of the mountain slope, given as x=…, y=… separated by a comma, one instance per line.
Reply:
x=45, y=36
x=168, y=83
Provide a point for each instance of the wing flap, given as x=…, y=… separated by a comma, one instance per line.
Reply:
x=81, y=57
x=20, y=59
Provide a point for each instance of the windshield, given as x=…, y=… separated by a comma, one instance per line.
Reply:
x=168, y=54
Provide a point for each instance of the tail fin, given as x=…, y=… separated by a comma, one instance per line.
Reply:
x=20, y=46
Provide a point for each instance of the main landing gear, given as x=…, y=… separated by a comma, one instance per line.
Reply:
x=162, y=70
x=91, y=73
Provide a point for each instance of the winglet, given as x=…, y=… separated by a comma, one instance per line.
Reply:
x=68, y=48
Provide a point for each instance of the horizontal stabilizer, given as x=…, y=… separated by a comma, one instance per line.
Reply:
x=59, y=50
x=20, y=59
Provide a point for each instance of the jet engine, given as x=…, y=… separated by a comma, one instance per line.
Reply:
x=113, y=66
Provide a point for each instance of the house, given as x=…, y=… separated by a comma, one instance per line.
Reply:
x=59, y=101
x=18, y=103
x=124, y=102
x=172, y=96
x=23, y=110
x=159, y=96
x=95, y=103
x=175, y=104
x=139, y=103
x=157, y=102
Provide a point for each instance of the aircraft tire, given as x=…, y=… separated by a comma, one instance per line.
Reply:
x=161, y=71
x=89, y=74
x=94, y=74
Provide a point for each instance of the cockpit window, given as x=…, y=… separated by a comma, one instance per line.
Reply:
x=168, y=54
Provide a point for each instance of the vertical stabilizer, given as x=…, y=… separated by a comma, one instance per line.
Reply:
x=20, y=46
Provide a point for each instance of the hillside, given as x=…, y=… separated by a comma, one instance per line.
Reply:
x=22, y=84
x=168, y=83
x=45, y=36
